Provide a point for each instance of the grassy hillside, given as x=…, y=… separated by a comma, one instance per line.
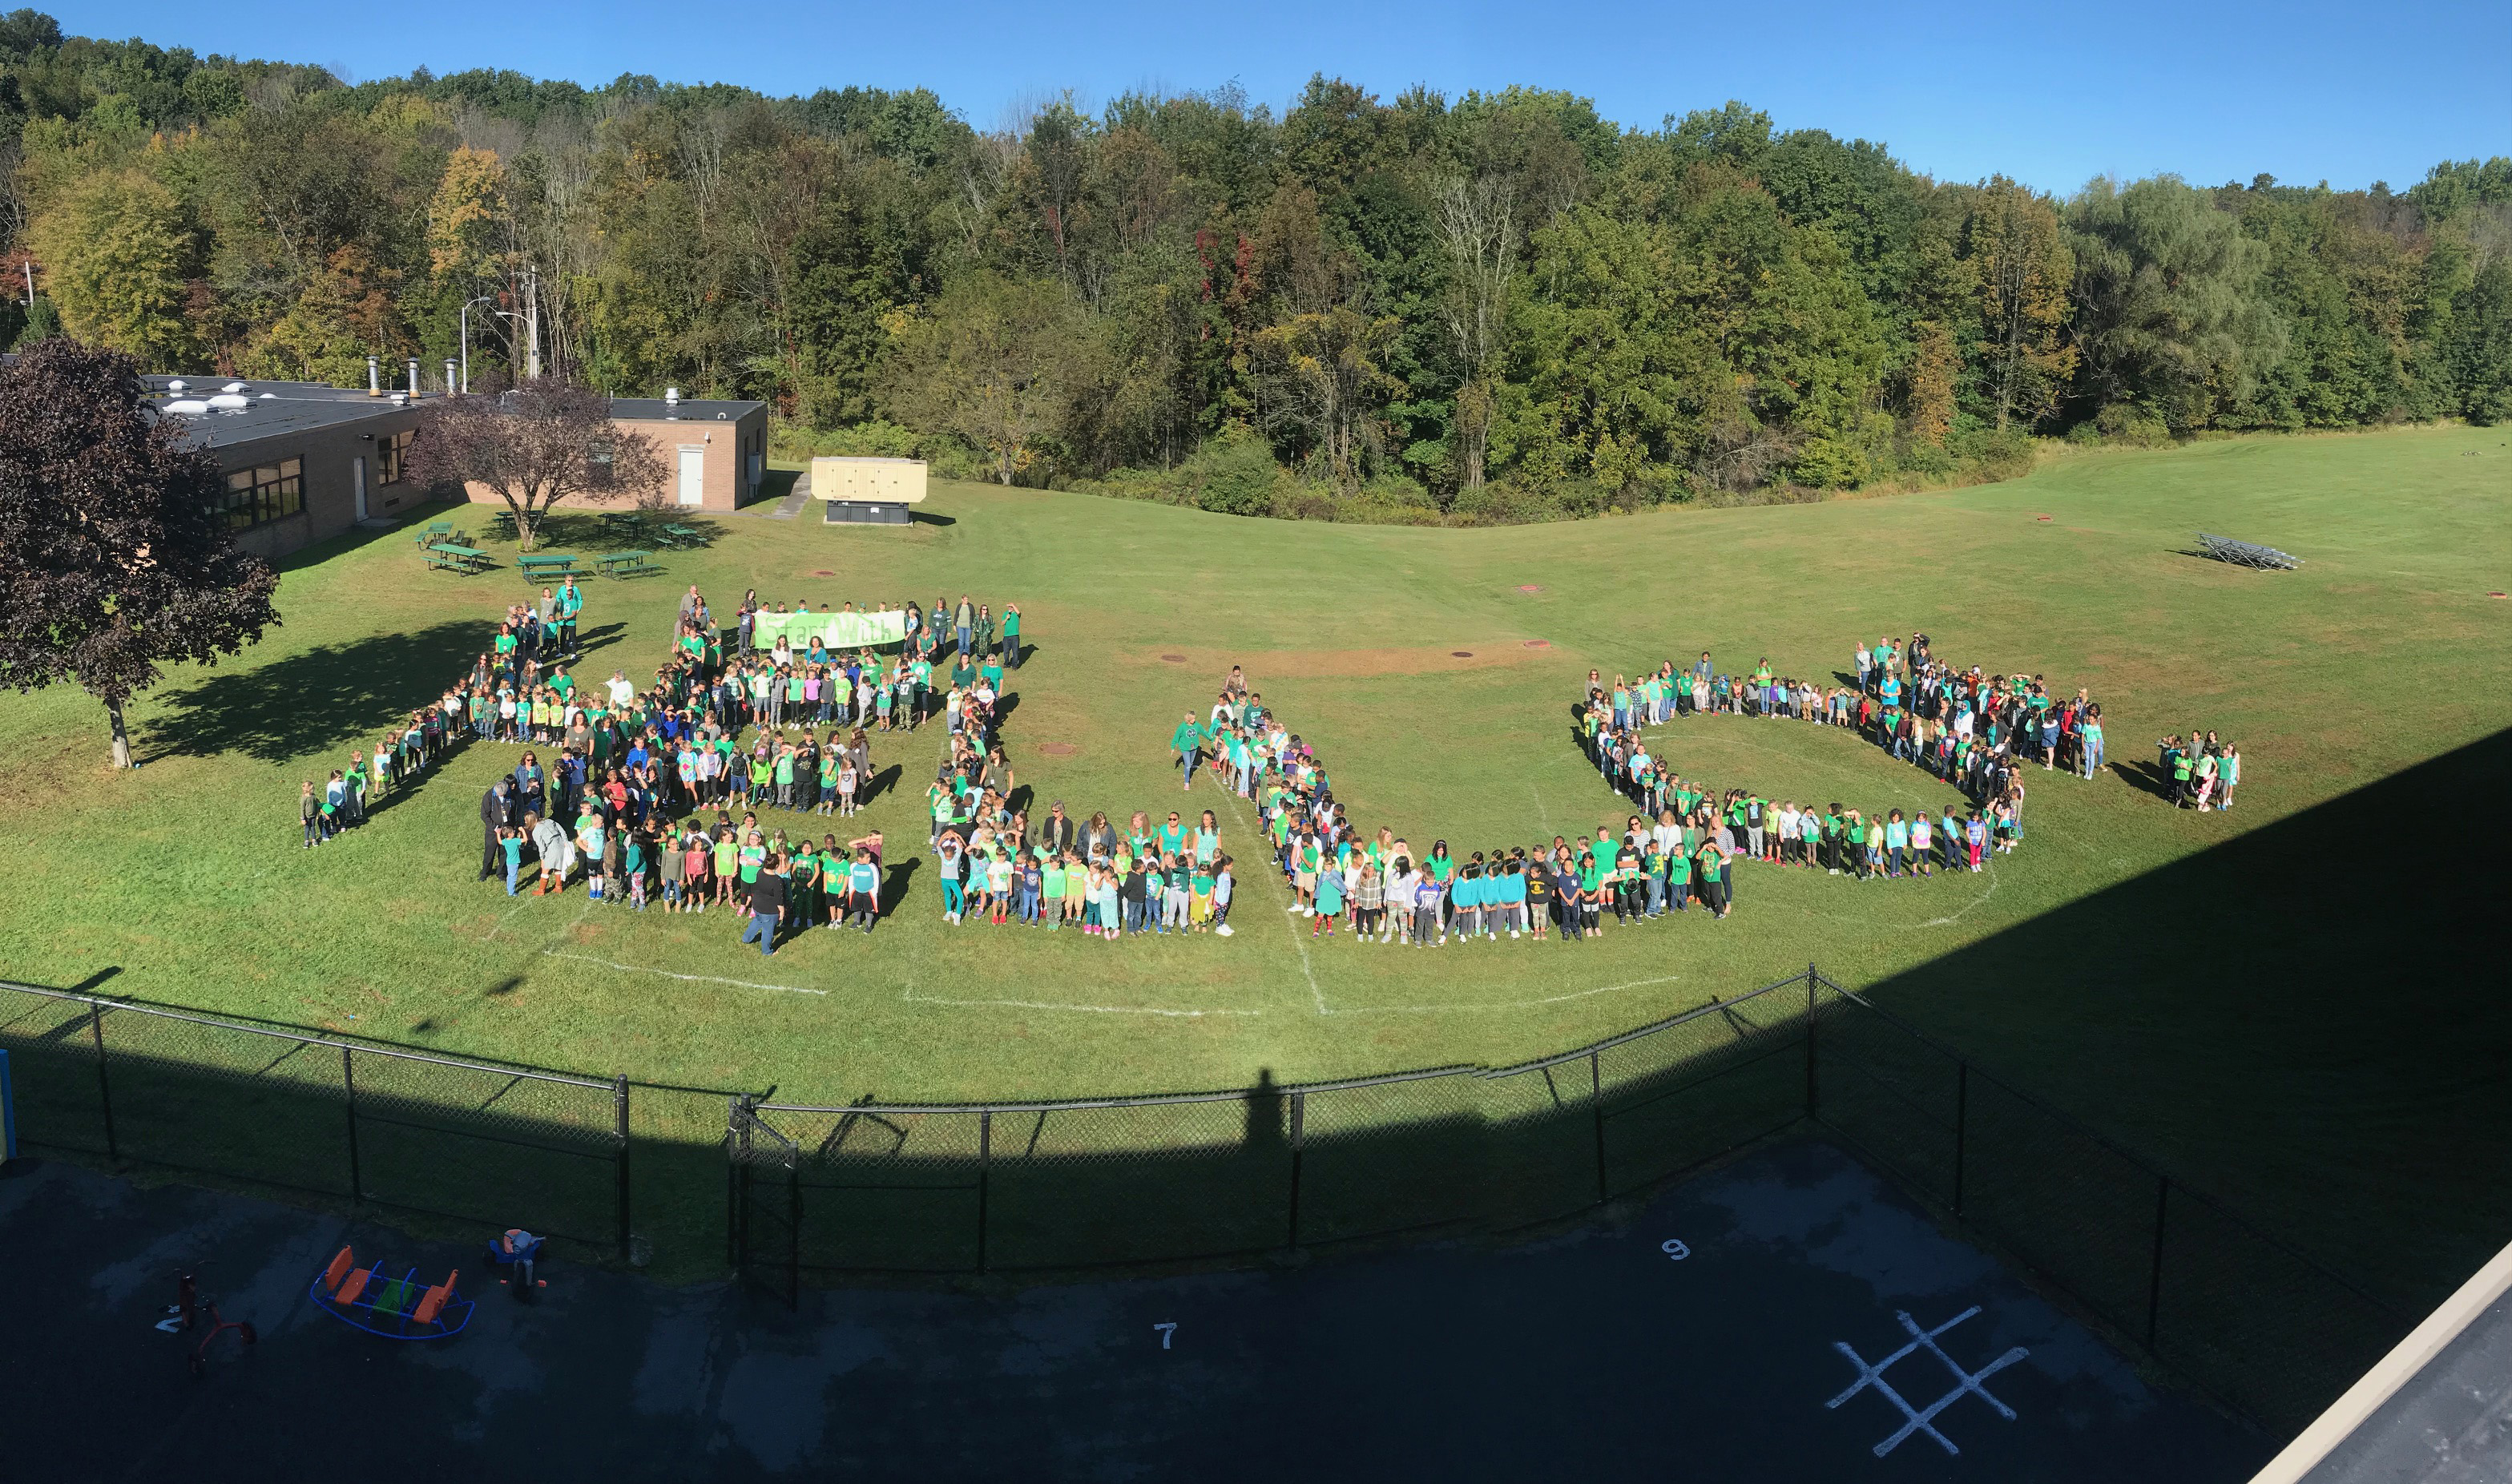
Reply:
x=2382, y=652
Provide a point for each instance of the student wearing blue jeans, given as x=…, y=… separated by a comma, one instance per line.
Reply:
x=767, y=907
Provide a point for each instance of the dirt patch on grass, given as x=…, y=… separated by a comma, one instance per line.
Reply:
x=1262, y=665
x=1058, y=749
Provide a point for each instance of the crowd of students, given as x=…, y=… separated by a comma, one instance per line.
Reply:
x=2203, y=770
x=670, y=754
x=624, y=802
x=1683, y=840
x=637, y=772
x=999, y=866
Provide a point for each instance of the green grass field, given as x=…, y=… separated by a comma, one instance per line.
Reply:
x=2105, y=961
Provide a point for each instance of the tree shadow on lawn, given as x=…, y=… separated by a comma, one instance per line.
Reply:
x=322, y=697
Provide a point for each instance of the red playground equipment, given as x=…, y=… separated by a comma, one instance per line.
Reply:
x=397, y=1308
x=185, y=1313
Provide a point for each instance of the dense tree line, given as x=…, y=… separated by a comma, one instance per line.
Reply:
x=1487, y=306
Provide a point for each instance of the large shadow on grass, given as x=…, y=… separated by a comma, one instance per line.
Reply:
x=322, y=697
x=2310, y=1020
x=2307, y=1021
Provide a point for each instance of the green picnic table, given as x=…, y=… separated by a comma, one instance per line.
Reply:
x=547, y=565
x=445, y=556
x=435, y=530
x=619, y=522
x=678, y=534
x=626, y=564
x=503, y=524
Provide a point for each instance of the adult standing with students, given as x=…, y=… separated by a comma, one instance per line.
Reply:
x=1187, y=743
x=493, y=818
x=767, y=907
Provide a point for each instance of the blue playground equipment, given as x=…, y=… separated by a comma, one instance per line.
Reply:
x=397, y=1308
x=520, y=1250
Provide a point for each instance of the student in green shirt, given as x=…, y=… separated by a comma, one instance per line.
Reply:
x=1187, y=743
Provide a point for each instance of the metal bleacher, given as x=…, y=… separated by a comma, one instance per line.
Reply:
x=2247, y=553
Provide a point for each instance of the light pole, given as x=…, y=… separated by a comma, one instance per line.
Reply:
x=465, y=319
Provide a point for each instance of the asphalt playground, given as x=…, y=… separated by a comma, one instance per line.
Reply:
x=1787, y=1317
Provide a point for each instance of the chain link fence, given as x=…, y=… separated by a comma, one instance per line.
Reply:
x=2264, y=1329
x=306, y=1114
x=821, y=1193
x=805, y=1192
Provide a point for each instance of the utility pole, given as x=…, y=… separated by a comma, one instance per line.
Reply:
x=533, y=324
x=465, y=321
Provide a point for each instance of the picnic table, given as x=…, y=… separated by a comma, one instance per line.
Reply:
x=503, y=524
x=678, y=534
x=626, y=564
x=624, y=523
x=434, y=530
x=447, y=556
x=547, y=565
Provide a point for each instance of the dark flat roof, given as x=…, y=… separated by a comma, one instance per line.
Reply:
x=273, y=408
x=688, y=409
x=281, y=408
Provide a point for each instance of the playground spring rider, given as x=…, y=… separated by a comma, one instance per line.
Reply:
x=184, y=1314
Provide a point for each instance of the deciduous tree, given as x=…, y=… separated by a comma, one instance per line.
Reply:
x=997, y=363
x=543, y=444
x=115, y=559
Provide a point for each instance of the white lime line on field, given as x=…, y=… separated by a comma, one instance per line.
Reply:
x=1506, y=1004
x=1305, y=969
x=1992, y=861
x=914, y=998
x=631, y=968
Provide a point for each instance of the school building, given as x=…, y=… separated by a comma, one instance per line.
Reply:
x=306, y=462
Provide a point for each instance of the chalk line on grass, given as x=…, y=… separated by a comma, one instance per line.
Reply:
x=1310, y=973
x=1960, y=912
x=505, y=917
x=1506, y=1004
x=914, y=998
x=631, y=968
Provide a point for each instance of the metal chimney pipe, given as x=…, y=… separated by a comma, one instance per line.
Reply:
x=448, y=376
x=374, y=378
x=413, y=379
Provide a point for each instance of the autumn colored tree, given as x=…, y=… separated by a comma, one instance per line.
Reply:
x=118, y=253
x=1329, y=366
x=114, y=556
x=466, y=217
x=537, y=446
x=2023, y=269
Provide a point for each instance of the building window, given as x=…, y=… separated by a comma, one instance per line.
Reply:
x=256, y=496
x=390, y=452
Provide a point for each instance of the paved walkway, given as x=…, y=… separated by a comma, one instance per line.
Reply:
x=1721, y=1334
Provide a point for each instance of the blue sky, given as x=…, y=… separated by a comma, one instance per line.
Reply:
x=2307, y=90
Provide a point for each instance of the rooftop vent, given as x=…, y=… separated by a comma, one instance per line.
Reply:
x=229, y=402
x=176, y=387
x=235, y=386
x=186, y=406
x=672, y=395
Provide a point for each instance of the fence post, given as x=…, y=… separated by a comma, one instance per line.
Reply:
x=619, y=1103
x=985, y=1168
x=736, y=1147
x=1962, y=1126
x=2154, y=1274
x=104, y=1084
x=1299, y=1139
x=1814, y=1100
x=1596, y=1111
x=349, y=1103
